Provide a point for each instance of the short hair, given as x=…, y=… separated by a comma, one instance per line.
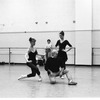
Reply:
x=54, y=51
x=48, y=40
x=32, y=39
x=62, y=33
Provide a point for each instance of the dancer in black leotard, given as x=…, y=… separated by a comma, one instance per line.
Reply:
x=61, y=44
x=62, y=47
x=30, y=57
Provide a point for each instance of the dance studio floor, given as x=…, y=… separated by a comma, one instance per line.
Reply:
x=88, y=79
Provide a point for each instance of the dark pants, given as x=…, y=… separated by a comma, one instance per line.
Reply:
x=34, y=70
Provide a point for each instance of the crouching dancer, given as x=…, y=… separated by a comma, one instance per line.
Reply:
x=30, y=57
x=55, y=67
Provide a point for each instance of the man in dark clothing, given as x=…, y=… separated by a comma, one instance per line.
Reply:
x=56, y=67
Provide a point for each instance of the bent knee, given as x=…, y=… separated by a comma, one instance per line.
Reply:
x=31, y=75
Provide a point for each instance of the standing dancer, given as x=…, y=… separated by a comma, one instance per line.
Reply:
x=48, y=48
x=61, y=44
x=30, y=57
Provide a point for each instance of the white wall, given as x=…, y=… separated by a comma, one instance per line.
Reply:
x=96, y=32
x=83, y=48
x=88, y=22
x=83, y=14
x=83, y=26
x=96, y=23
x=96, y=14
x=18, y=16
x=21, y=15
x=21, y=40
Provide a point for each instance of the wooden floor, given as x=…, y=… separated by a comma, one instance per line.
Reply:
x=88, y=79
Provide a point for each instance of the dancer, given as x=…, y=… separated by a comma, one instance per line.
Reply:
x=61, y=44
x=30, y=57
x=55, y=67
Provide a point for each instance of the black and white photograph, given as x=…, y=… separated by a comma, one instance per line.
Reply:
x=49, y=49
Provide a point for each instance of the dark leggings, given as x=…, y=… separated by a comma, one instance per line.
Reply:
x=34, y=70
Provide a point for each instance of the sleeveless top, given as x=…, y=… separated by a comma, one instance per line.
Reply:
x=32, y=56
